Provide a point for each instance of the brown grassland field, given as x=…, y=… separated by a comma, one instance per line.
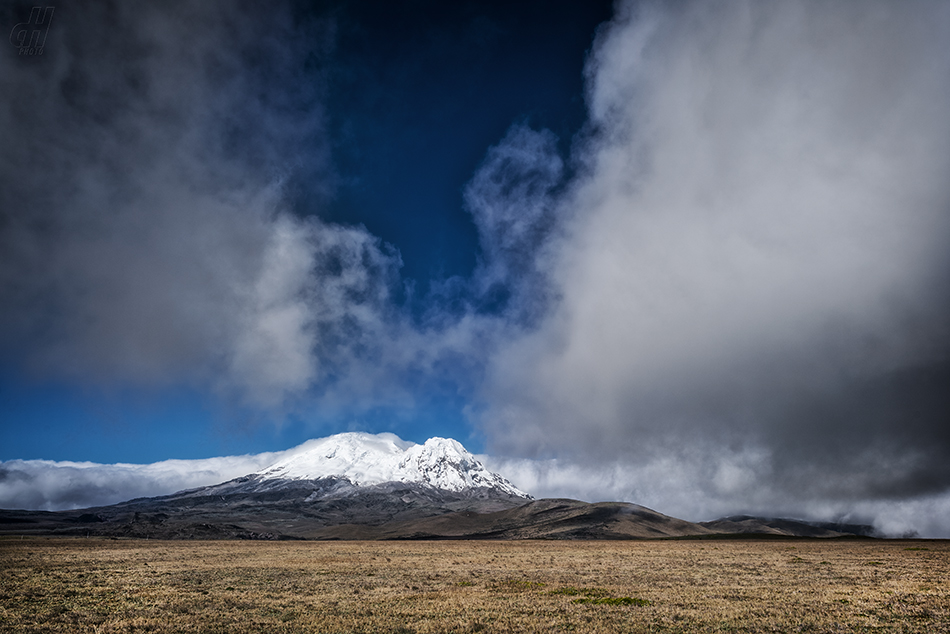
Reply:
x=110, y=586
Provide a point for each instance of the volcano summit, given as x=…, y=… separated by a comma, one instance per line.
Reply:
x=368, y=459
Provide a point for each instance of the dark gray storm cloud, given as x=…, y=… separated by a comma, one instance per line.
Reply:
x=753, y=268
x=144, y=234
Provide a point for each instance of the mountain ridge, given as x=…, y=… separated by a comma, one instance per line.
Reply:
x=377, y=486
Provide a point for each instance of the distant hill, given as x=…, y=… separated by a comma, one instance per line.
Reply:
x=748, y=525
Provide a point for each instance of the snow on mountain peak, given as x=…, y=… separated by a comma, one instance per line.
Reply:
x=367, y=459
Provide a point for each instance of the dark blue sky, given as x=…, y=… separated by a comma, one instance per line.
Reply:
x=418, y=91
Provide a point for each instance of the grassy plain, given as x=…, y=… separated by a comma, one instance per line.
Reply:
x=106, y=586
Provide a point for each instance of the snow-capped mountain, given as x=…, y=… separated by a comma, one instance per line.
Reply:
x=348, y=484
x=371, y=459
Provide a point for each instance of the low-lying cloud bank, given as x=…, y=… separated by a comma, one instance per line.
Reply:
x=55, y=486
x=666, y=487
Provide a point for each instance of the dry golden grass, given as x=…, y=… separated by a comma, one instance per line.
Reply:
x=59, y=585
